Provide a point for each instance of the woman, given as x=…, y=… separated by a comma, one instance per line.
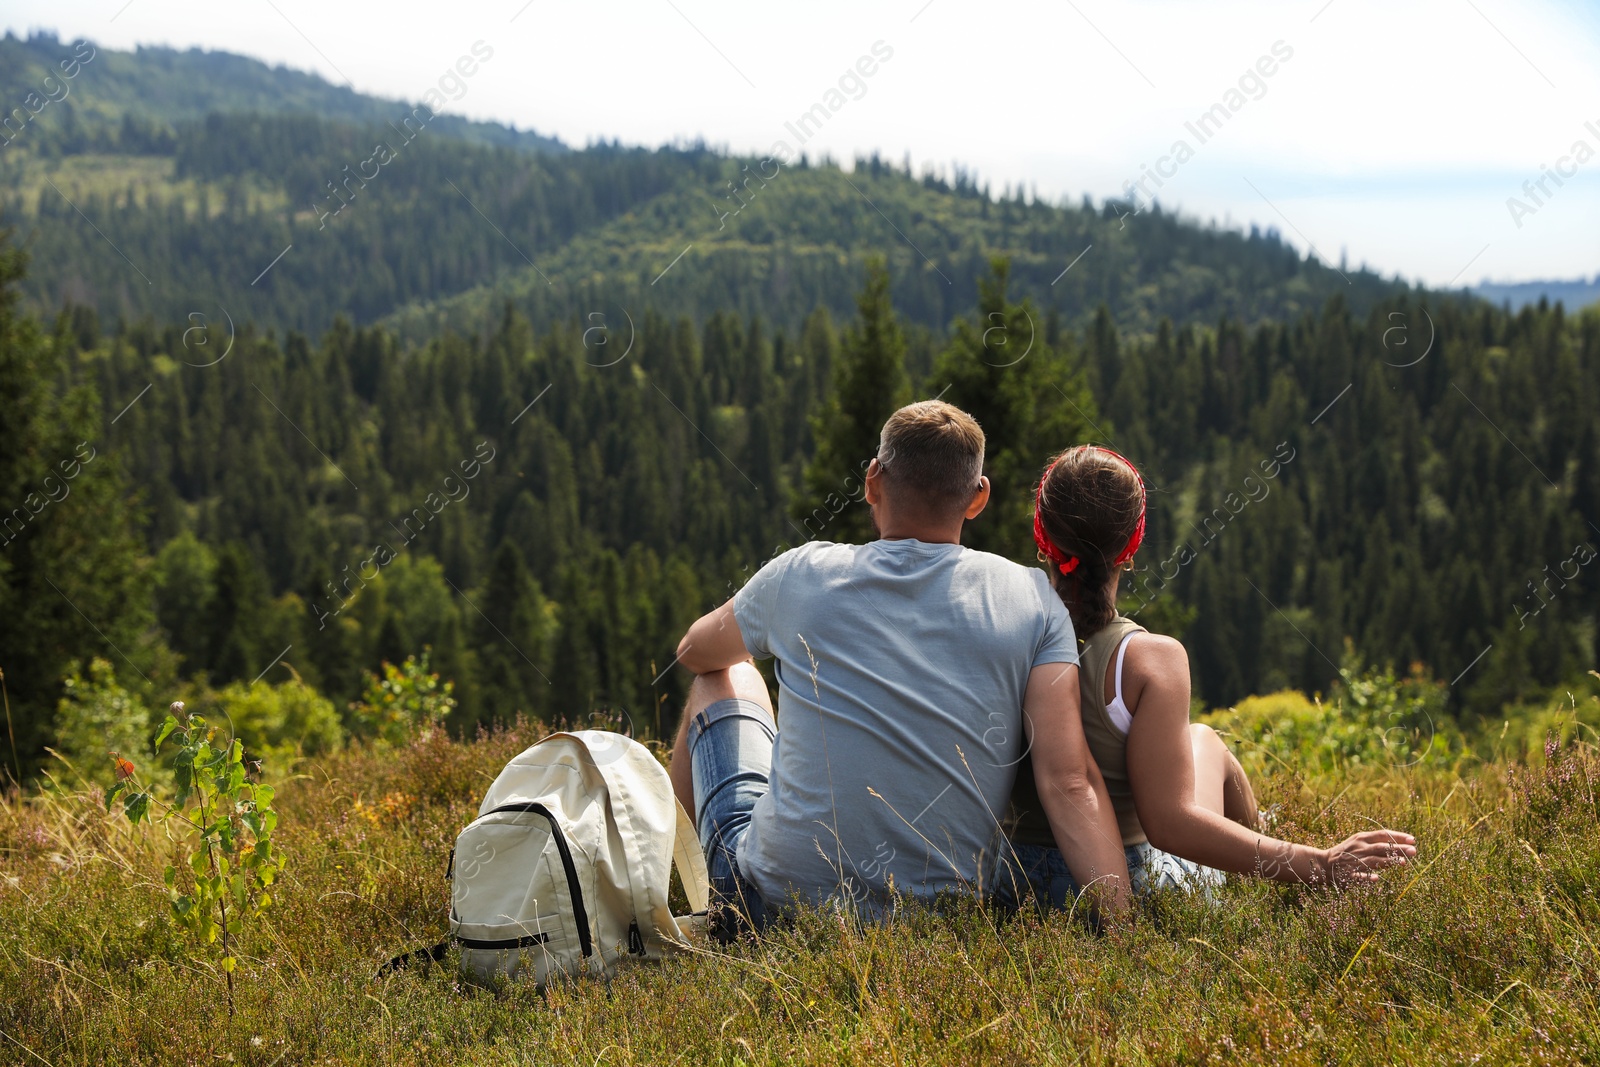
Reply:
x=1183, y=802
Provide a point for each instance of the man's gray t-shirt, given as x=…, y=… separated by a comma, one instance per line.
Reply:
x=901, y=668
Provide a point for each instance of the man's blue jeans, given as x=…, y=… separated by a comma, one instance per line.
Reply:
x=730, y=751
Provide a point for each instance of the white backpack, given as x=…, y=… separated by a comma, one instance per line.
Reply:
x=565, y=871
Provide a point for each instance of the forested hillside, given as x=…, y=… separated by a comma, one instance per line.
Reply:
x=138, y=196
x=547, y=512
x=270, y=424
x=111, y=101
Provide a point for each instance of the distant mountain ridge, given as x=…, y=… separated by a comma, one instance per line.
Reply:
x=1574, y=294
x=159, y=85
x=221, y=182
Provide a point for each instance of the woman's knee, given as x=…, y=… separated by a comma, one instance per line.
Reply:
x=1204, y=740
x=1213, y=756
x=1212, y=751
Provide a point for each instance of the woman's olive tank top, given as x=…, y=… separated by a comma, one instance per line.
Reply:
x=1106, y=730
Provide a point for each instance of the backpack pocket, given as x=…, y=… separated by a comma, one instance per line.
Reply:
x=517, y=908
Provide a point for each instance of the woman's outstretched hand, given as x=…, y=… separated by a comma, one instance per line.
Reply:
x=1363, y=857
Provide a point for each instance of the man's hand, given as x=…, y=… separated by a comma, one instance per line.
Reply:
x=713, y=643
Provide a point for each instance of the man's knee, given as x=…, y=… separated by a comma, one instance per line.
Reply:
x=742, y=680
x=747, y=682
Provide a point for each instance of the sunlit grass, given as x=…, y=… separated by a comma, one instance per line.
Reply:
x=1484, y=950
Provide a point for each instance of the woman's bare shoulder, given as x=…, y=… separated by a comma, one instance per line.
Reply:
x=1153, y=655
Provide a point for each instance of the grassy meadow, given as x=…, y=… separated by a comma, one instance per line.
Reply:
x=1487, y=950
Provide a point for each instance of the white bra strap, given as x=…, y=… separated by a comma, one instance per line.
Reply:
x=1122, y=650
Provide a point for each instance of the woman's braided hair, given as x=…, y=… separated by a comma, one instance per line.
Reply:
x=1088, y=522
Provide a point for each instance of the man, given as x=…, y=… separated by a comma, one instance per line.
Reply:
x=913, y=674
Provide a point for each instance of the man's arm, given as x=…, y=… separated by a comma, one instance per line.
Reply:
x=1071, y=789
x=713, y=643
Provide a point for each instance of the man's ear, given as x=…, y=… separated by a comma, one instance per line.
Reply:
x=874, y=484
x=980, y=500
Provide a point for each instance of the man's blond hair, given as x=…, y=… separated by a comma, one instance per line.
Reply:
x=934, y=451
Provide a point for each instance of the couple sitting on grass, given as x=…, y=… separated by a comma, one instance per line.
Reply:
x=955, y=722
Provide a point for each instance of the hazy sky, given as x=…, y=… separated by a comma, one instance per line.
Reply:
x=1394, y=131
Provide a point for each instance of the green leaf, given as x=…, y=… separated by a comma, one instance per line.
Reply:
x=167, y=727
x=137, y=807
x=111, y=794
x=170, y=875
x=228, y=964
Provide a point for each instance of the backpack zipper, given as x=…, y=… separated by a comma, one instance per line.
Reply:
x=579, y=913
x=541, y=938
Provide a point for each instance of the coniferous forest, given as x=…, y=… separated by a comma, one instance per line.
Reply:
x=460, y=429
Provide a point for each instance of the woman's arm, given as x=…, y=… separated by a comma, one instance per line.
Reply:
x=1155, y=687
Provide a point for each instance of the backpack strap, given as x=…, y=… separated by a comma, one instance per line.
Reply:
x=433, y=953
x=686, y=854
x=690, y=860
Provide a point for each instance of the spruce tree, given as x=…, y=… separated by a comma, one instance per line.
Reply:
x=1031, y=399
x=514, y=672
x=869, y=384
x=236, y=617
x=72, y=582
x=185, y=573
